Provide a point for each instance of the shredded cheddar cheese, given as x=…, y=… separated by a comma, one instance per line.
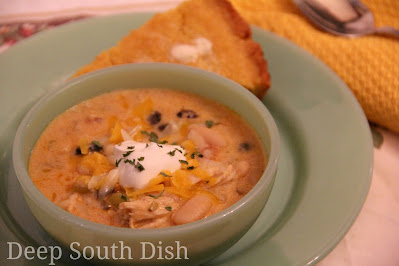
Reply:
x=116, y=134
x=191, y=163
x=189, y=146
x=96, y=163
x=184, y=128
x=143, y=109
x=134, y=193
x=156, y=180
x=202, y=174
x=180, y=179
x=84, y=145
x=181, y=192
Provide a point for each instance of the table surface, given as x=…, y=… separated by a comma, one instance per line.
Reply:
x=374, y=237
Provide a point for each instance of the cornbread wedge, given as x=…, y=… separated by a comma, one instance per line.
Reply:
x=208, y=34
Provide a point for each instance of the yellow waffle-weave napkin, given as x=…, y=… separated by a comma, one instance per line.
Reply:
x=369, y=65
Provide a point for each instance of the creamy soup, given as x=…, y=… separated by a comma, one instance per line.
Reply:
x=147, y=158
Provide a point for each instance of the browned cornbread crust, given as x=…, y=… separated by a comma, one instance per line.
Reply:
x=234, y=53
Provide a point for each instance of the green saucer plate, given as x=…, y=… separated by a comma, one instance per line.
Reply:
x=326, y=149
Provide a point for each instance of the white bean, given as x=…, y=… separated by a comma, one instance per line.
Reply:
x=95, y=181
x=242, y=168
x=204, y=137
x=109, y=183
x=194, y=209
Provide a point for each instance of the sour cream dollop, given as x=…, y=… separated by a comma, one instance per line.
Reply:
x=139, y=162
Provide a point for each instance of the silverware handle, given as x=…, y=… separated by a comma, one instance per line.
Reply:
x=388, y=30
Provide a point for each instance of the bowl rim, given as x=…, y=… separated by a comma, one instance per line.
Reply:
x=30, y=189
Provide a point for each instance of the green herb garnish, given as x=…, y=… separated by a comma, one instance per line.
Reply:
x=140, y=159
x=124, y=197
x=210, y=123
x=196, y=153
x=139, y=167
x=156, y=196
x=165, y=175
x=130, y=161
x=127, y=153
x=190, y=168
x=117, y=162
x=172, y=153
x=97, y=143
x=153, y=137
x=145, y=132
x=130, y=147
x=168, y=208
x=183, y=161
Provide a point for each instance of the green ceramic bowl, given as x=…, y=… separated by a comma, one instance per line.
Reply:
x=199, y=241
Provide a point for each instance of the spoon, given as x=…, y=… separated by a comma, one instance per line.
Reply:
x=349, y=18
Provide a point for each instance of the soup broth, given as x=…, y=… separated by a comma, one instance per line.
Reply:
x=147, y=158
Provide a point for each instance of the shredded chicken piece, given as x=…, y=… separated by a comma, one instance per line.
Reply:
x=214, y=168
x=71, y=202
x=228, y=174
x=207, y=140
x=222, y=171
x=148, y=211
x=78, y=202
